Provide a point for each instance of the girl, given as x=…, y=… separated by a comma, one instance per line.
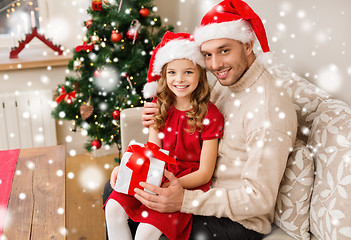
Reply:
x=187, y=124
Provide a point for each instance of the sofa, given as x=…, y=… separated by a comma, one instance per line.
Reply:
x=316, y=186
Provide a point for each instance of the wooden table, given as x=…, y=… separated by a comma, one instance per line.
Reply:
x=36, y=208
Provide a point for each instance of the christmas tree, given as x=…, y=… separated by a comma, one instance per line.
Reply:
x=110, y=68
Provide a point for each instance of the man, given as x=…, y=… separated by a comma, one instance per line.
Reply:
x=259, y=133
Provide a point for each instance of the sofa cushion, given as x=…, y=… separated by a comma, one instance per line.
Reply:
x=305, y=96
x=331, y=143
x=293, y=202
x=279, y=234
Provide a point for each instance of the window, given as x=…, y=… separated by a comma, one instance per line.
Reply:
x=17, y=17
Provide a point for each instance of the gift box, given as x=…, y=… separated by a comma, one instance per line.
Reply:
x=141, y=163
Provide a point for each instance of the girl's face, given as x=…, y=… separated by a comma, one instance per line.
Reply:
x=182, y=78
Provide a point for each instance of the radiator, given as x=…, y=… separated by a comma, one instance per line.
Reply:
x=25, y=120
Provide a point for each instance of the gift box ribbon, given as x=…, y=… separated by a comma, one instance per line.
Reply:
x=139, y=162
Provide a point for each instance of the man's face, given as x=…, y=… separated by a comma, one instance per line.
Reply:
x=227, y=59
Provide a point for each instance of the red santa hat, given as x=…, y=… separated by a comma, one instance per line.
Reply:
x=172, y=46
x=232, y=19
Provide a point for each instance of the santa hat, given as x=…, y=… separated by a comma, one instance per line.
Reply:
x=172, y=46
x=232, y=19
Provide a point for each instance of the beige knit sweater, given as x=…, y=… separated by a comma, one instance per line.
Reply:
x=259, y=133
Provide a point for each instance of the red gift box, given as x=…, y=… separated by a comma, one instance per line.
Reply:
x=141, y=163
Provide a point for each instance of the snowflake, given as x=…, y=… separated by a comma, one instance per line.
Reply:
x=60, y=211
x=72, y=152
x=91, y=178
x=59, y=173
x=206, y=121
x=330, y=78
x=144, y=214
x=195, y=203
x=249, y=115
x=70, y=175
x=22, y=196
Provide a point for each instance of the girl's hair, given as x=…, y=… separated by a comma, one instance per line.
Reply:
x=199, y=100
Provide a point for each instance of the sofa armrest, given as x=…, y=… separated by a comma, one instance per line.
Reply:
x=131, y=127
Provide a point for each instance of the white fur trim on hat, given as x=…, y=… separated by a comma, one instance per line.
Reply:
x=239, y=30
x=178, y=49
x=266, y=59
x=150, y=89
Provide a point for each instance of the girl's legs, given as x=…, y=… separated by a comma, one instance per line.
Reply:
x=147, y=231
x=116, y=221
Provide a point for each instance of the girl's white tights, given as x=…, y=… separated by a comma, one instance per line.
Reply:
x=117, y=225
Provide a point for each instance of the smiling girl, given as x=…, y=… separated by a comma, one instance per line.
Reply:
x=187, y=125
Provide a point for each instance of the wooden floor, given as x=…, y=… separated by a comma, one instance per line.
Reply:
x=86, y=176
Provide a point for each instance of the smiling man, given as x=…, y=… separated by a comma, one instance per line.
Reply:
x=259, y=133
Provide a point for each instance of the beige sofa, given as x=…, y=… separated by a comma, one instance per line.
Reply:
x=316, y=187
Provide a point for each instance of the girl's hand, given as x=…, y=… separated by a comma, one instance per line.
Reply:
x=113, y=177
x=149, y=111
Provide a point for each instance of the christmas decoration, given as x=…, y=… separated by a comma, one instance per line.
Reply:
x=115, y=114
x=144, y=12
x=120, y=5
x=115, y=36
x=97, y=73
x=88, y=23
x=95, y=39
x=131, y=172
x=29, y=37
x=76, y=86
x=133, y=33
x=96, y=144
x=86, y=110
x=96, y=5
x=66, y=96
x=109, y=68
x=85, y=47
x=77, y=64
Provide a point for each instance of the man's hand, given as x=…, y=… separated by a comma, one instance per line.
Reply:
x=113, y=177
x=166, y=200
x=149, y=111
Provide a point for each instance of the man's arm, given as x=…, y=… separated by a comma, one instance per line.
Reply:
x=166, y=200
x=255, y=197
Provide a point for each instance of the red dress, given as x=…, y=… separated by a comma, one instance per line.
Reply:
x=186, y=148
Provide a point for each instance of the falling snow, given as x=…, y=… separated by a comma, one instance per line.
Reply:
x=90, y=178
x=300, y=38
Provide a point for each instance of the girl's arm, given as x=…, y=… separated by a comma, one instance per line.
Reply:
x=207, y=165
x=153, y=137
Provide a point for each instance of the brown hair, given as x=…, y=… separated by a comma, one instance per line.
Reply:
x=199, y=100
